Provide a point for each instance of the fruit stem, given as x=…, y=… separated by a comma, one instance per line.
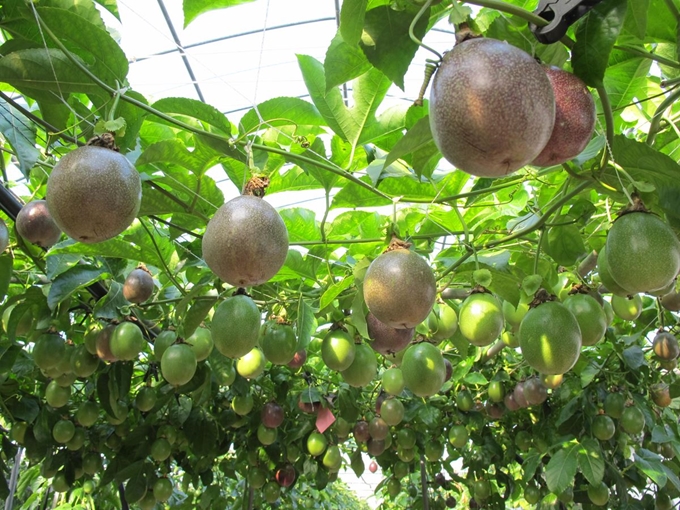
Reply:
x=411, y=28
x=655, y=124
x=114, y=106
x=466, y=229
x=659, y=311
x=537, y=258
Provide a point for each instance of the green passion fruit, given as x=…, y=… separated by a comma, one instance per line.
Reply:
x=399, y=288
x=278, y=342
x=550, y=338
x=481, y=319
x=236, y=326
x=627, y=308
x=178, y=364
x=643, y=252
x=201, y=343
x=423, y=369
x=338, y=350
x=252, y=364
x=606, y=277
x=590, y=316
x=127, y=341
x=363, y=368
x=48, y=350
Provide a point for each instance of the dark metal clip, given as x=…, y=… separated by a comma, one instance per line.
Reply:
x=561, y=14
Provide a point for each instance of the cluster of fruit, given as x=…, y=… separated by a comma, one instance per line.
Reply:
x=494, y=109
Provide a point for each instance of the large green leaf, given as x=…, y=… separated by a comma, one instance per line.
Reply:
x=418, y=138
x=20, y=133
x=281, y=111
x=561, y=470
x=352, y=14
x=590, y=461
x=650, y=464
x=45, y=70
x=173, y=151
x=595, y=38
x=194, y=8
x=193, y=109
x=386, y=40
x=635, y=22
x=343, y=62
x=68, y=282
x=301, y=224
x=93, y=44
x=626, y=78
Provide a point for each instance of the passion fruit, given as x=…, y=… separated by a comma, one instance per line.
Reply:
x=48, y=350
x=481, y=319
x=127, y=341
x=643, y=252
x=387, y=340
x=574, y=119
x=338, y=350
x=606, y=277
x=492, y=108
x=423, y=369
x=590, y=316
x=236, y=326
x=550, y=338
x=35, y=224
x=178, y=364
x=627, y=308
x=278, y=343
x=245, y=242
x=138, y=286
x=666, y=346
x=93, y=194
x=400, y=289
x=363, y=368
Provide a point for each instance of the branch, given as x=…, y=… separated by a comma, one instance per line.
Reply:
x=651, y=56
x=609, y=122
x=655, y=124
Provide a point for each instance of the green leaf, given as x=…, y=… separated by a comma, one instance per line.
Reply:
x=417, y=138
x=357, y=463
x=92, y=43
x=531, y=284
x=281, y=111
x=561, y=470
x=202, y=440
x=68, y=282
x=564, y=243
x=196, y=315
x=20, y=133
x=194, y=8
x=343, y=62
x=46, y=70
x=112, y=248
x=595, y=38
x=172, y=151
x=476, y=378
x=109, y=306
x=662, y=434
x=305, y=324
x=111, y=6
x=650, y=464
x=386, y=40
x=334, y=291
x=6, y=264
x=635, y=22
x=462, y=369
x=482, y=277
x=530, y=465
x=590, y=461
x=301, y=224
x=186, y=107
x=459, y=13
x=352, y=15
x=634, y=357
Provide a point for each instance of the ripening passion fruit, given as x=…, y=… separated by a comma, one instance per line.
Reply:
x=245, y=242
x=574, y=118
x=93, y=194
x=138, y=286
x=400, y=289
x=387, y=340
x=643, y=252
x=35, y=224
x=550, y=338
x=492, y=108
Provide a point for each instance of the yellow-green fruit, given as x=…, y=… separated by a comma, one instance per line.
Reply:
x=423, y=369
x=252, y=364
x=632, y=420
x=178, y=364
x=338, y=350
x=48, y=350
x=316, y=444
x=481, y=319
x=160, y=449
x=127, y=341
x=400, y=289
x=145, y=399
x=643, y=252
x=242, y=404
x=87, y=414
x=443, y=322
x=363, y=369
x=332, y=458
x=590, y=316
x=393, y=381
x=626, y=308
x=59, y=482
x=550, y=338
x=598, y=494
x=93, y=194
x=164, y=340
x=162, y=489
x=606, y=277
x=83, y=364
x=235, y=326
x=201, y=343
x=56, y=396
x=246, y=241
x=63, y=431
x=278, y=343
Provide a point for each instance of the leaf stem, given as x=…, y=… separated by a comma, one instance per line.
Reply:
x=165, y=265
x=411, y=29
x=655, y=124
x=537, y=258
x=651, y=56
x=609, y=123
x=673, y=8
